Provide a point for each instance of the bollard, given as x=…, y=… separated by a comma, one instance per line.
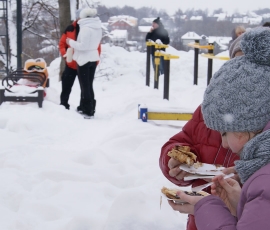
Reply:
x=167, y=64
x=196, y=63
x=158, y=56
x=143, y=113
x=166, y=78
x=157, y=63
x=149, y=46
x=197, y=46
x=210, y=64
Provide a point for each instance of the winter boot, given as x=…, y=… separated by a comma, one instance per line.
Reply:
x=80, y=107
x=65, y=104
x=94, y=107
x=89, y=110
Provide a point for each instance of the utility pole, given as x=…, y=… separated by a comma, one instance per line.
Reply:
x=19, y=34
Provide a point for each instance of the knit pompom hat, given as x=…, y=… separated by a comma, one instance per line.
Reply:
x=88, y=13
x=238, y=96
x=157, y=20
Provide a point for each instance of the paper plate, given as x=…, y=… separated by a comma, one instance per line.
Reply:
x=203, y=169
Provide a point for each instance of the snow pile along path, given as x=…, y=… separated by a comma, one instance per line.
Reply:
x=62, y=172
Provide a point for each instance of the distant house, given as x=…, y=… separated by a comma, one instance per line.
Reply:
x=241, y=20
x=122, y=22
x=146, y=21
x=190, y=37
x=249, y=20
x=184, y=17
x=119, y=38
x=221, y=17
x=196, y=18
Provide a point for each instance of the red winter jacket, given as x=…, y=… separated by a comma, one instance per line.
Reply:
x=71, y=32
x=205, y=143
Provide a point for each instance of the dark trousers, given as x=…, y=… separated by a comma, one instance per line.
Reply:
x=68, y=78
x=86, y=75
x=160, y=67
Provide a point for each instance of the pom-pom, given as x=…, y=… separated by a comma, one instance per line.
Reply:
x=255, y=45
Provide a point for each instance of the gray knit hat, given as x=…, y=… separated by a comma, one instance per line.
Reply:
x=238, y=96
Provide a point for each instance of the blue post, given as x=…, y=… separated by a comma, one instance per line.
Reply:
x=143, y=113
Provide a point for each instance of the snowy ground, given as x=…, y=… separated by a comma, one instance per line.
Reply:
x=62, y=172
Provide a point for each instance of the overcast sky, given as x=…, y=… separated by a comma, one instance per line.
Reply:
x=171, y=5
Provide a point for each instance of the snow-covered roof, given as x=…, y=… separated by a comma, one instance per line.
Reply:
x=221, y=16
x=251, y=20
x=183, y=16
x=196, y=18
x=126, y=21
x=121, y=17
x=119, y=34
x=147, y=20
x=132, y=21
x=191, y=35
x=144, y=29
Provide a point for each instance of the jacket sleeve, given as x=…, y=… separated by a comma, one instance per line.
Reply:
x=211, y=213
x=148, y=36
x=62, y=44
x=166, y=38
x=255, y=214
x=186, y=138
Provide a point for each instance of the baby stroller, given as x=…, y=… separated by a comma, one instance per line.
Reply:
x=27, y=84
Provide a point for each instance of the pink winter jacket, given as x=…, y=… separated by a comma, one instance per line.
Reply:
x=252, y=211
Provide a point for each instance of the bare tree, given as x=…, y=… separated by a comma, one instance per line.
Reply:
x=64, y=21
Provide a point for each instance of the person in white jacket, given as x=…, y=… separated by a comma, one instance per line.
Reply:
x=86, y=55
